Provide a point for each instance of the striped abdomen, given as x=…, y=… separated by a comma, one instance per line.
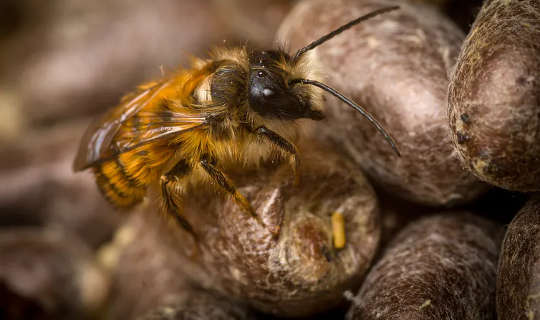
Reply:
x=124, y=179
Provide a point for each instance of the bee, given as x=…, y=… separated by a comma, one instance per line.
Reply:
x=238, y=107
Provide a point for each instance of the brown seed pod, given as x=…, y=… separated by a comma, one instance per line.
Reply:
x=396, y=66
x=518, y=280
x=494, y=96
x=46, y=274
x=440, y=267
x=289, y=266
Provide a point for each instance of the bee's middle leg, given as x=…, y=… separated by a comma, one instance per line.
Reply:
x=171, y=190
x=223, y=181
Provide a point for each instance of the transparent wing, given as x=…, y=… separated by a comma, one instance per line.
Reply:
x=141, y=118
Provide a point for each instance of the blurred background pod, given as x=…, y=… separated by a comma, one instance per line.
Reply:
x=397, y=66
x=39, y=189
x=67, y=51
x=48, y=274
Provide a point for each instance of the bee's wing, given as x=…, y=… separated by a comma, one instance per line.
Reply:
x=116, y=132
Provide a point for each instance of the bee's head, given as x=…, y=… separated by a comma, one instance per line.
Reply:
x=275, y=92
x=269, y=92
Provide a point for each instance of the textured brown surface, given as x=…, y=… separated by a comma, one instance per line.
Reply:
x=518, y=280
x=295, y=273
x=46, y=274
x=396, y=66
x=440, y=267
x=494, y=96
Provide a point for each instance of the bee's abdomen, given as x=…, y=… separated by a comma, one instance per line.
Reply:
x=123, y=180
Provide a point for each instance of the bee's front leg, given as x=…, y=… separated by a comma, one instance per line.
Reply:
x=172, y=188
x=285, y=146
x=223, y=181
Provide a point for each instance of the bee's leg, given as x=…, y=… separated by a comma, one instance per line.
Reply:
x=171, y=190
x=224, y=182
x=285, y=146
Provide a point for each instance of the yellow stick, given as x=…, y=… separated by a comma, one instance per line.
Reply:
x=338, y=230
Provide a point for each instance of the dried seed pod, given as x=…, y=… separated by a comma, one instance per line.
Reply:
x=49, y=275
x=287, y=267
x=396, y=66
x=440, y=267
x=518, y=281
x=494, y=96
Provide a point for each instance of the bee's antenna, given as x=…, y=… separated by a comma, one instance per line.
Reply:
x=339, y=30
x=351, y=103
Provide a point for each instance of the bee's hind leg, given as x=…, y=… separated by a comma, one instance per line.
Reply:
x=172, y=190
x=223, y=181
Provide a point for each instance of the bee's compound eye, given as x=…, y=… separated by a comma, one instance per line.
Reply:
x=261, y=74
x=267, y=92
